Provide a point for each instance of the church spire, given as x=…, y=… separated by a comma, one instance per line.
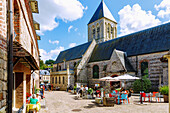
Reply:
x=102, y=11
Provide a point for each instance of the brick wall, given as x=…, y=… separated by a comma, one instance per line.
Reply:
x=3, y=56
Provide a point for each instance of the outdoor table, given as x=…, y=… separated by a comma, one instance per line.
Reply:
x=149, y=95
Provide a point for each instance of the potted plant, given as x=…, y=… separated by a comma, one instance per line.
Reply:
x=164, y=91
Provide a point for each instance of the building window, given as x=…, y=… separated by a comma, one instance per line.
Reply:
x=63, y=80
x=56, y=68
x=94, y=33
x=144, y=69
x=95, y=71
x=98, y=32
x=59, y=81
x=59, y=68
x=47, y=78
x=52, y=80
x=55, y=80
x=108, y=29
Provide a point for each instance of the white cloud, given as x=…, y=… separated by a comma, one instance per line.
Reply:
x=54, y=42
x=134, y=19
x=50, y=10
x=164, y=9
x=50, y=55
x=72, y=45
x=75, y=29
x=69, y=28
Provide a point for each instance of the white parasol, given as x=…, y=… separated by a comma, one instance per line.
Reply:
x=126, y=77
x=108, y=78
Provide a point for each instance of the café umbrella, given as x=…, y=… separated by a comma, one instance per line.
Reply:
x=107, y=79
x=125, y=77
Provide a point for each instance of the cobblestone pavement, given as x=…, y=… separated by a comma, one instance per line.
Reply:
x=63, y=102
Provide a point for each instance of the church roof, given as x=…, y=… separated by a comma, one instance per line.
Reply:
x=151, y=40
x=73, y=53
x=102, y=11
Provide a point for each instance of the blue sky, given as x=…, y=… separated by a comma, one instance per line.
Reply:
x=63, y=23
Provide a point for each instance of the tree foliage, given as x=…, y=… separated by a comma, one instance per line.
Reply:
x=45, y=66
x=146, y=85
x=49, y=62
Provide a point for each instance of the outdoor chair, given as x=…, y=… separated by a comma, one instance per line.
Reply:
x=157, y=97
x=114, y=94
x=33, y=107
x=123, y=97
x=144, y=95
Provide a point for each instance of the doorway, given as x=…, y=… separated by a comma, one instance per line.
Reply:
x=19, y=89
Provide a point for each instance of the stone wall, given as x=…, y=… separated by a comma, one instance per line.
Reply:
x=104, y=35
x=157, y=69
x=3, y=56
x=91, y=80
x=82, y=73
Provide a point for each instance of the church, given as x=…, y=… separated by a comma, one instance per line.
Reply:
x=105, y=54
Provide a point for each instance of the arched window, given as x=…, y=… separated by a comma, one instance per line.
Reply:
x=59, y=68
x=98, y=32
x=55, y=80
x=94, y=33
x=112, y=32
x=95, y=71
x=52, y=80
x=144, y=68
x=59, y=80
x=63, y=80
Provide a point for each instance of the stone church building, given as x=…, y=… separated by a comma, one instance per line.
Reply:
x=105, y=54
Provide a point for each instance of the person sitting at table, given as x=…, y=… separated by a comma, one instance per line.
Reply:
x=122, y=89
x=38, y=98
x=33, y=103
x=130, y=91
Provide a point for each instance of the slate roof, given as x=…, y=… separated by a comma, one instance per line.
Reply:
x=102, y=11
x=73, y=53
x=151, y=40
x=44, y=72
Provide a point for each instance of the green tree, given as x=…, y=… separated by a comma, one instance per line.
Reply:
x=42, y=65
x=137, y=86
x=49, y=62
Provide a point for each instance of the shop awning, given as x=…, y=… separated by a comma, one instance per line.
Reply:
x=23, y=56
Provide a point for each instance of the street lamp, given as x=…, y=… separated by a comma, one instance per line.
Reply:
x=33, y=76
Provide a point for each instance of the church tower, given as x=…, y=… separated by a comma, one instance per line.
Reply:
x=102, y=26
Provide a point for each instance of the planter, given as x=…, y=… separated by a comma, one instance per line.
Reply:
x=108, y=101
x=166, y=99
x=98, y=100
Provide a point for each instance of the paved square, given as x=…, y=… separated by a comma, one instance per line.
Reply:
x=63, y=102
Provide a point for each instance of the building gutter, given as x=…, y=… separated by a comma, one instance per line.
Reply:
x=10, y=56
